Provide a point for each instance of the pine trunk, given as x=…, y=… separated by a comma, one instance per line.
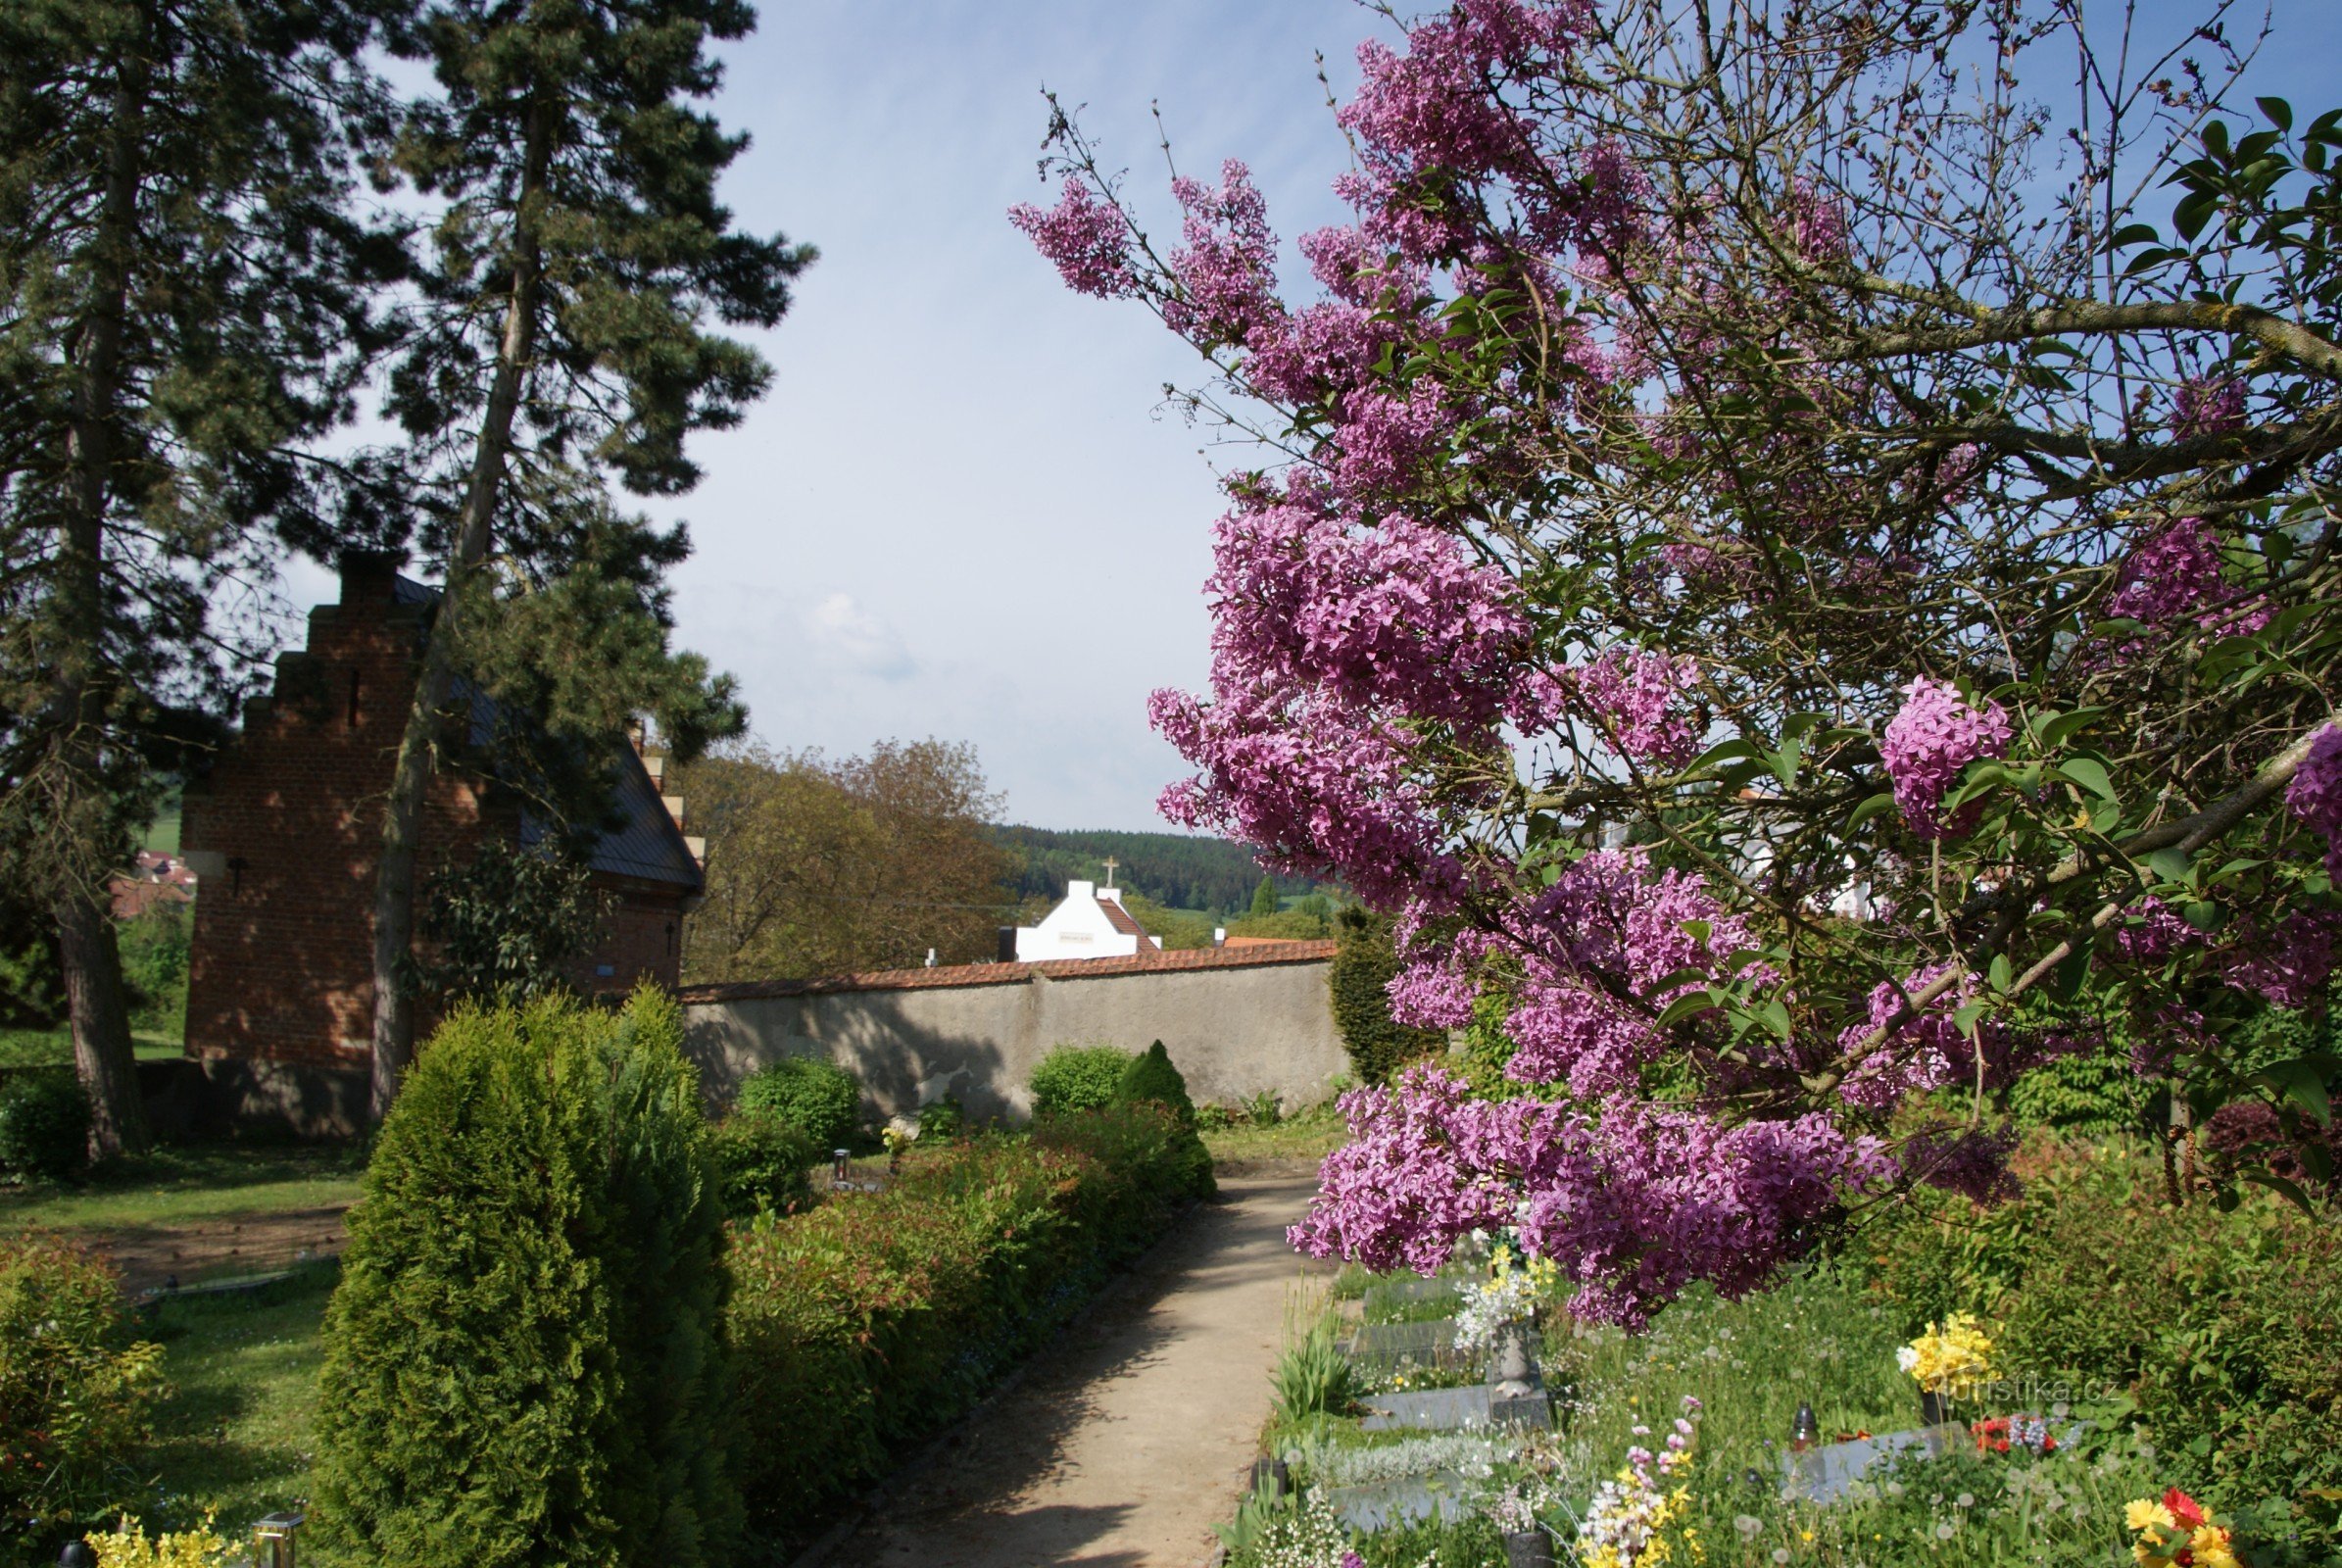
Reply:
x=86, y=951
x=434, y=689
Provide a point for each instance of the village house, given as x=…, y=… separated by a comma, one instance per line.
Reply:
x=1090, y=922
x=286, y=828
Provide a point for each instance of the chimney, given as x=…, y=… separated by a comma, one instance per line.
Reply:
x=1219, y=936
x=369, y=576
x=1005, y=950
x=1081, y=890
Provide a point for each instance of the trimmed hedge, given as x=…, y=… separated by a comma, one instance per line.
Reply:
x=524, y=1361
x=820, y=1099
x=874, y=1319
x=1074, y=1078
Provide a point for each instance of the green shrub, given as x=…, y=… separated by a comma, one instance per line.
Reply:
x=764, y=1164
x=942, y=1120
x=820, y=1098
x=1153, y=1077
x=1078, y=1078
x=871, y=1320
x=2218, y=1325
x=154, y=966
x=44, y=1123
x=75, y=1395
x=1363, y=966
x=524, y=1361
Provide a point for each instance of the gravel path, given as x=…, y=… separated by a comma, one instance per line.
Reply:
x=1131, y=1439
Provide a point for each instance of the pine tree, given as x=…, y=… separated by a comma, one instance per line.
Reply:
x=184, y=303
x=580, y=253
x=1264, y=897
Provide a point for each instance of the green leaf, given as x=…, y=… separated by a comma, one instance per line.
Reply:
x=2132, y=234
x=2171, y=865
x=2278, y=112
x=1688, y=1005
x=2090, y=774
x=2302, y=1080
x=1784, y=763
x=2000, y=975
x=1868, y=808
x=2280, y=1185
x=1726, y=750
x=1776, y=1016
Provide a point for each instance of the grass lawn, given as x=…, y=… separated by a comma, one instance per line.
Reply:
x=54, y=1048
x=1309, y=1135
x=187, y=1184
x=237, y=1433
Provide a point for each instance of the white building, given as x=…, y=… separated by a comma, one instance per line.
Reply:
x=1091, y=924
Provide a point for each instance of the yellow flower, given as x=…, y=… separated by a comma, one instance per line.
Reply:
x=2141, y=1512
x=2210, y=1544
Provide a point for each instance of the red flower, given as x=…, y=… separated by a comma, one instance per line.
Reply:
x=2184, y=1508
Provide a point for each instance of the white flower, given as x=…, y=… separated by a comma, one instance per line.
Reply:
x=1907, y=1357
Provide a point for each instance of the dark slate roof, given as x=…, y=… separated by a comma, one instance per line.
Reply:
x=647, y=843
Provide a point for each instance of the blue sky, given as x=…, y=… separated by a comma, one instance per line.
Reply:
x=962, y=511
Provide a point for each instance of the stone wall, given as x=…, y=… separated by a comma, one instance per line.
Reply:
x=1237, y=1021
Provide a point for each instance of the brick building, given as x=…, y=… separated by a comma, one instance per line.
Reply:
x=285, y=832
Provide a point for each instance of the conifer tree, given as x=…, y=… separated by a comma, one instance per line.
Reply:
x=1265, y=897
x=580, y=256
x=184, y=302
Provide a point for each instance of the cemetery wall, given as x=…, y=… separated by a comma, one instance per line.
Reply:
x=1237, y=1021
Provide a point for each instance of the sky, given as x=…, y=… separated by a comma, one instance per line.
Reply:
x=963, y=510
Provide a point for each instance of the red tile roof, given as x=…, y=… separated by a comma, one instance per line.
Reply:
x=1122, y=920
x=1252, y=956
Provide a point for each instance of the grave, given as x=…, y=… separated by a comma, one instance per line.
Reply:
x=1411, y=1499
x=1380, y=1346
x=1822, y=1474
x=1454, y=1411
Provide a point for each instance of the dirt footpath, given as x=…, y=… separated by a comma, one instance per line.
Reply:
x=232, y=1245
x=1131, y=1439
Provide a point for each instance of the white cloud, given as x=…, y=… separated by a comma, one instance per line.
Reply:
x=846, y=636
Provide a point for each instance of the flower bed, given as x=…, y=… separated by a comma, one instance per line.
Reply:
x=872, y=1320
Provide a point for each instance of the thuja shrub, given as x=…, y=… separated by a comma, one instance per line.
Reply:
x=1357, y=983
x=819, y=1098
x=1078, y=1078
x=524, y=1358
x=871, y=1320
x=77, y=1392
x=1153, y=1077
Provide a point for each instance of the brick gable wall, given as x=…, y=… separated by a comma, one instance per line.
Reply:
x=290, y=822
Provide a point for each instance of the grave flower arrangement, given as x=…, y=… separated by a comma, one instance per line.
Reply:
x=2028, y=1433
x=1951, y=1360
x=1509, y=1295
x=2176, y=1533
x=1635, y=1519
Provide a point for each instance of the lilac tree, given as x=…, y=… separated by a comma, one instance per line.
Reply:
x=1804, y=574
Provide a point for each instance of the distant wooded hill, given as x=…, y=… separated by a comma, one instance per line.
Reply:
x=1174, y=870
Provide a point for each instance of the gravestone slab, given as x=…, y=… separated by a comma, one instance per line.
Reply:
x=1409, y=1289
x=1381, y=1346
x=1408, y=1500
x=1427, y=1409
x=1822, y=1474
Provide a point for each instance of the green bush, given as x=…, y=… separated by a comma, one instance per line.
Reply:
x=75, y=1395
x=942, y=1120
x=871, y=1320
x=820, y=1098
x=524, y=1361
x=2218, y=1325
x=1363, y=966
x=764, y=1164
x=44, y=1123
x=1078, y=1078
x=1153, y=1077
x=154, y=966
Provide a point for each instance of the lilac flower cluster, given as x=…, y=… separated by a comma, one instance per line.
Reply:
x=1085, y=238
x=2208, y=407
x=1928, y=742
x=1227, y=269
x=2315, y=794
x=2288, y=964
x=1632, y=1200
x=1641, y=698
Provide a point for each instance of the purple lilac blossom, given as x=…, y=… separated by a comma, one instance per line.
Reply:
x=1927, y=744
x=2315, y=792
x=1083, y=237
